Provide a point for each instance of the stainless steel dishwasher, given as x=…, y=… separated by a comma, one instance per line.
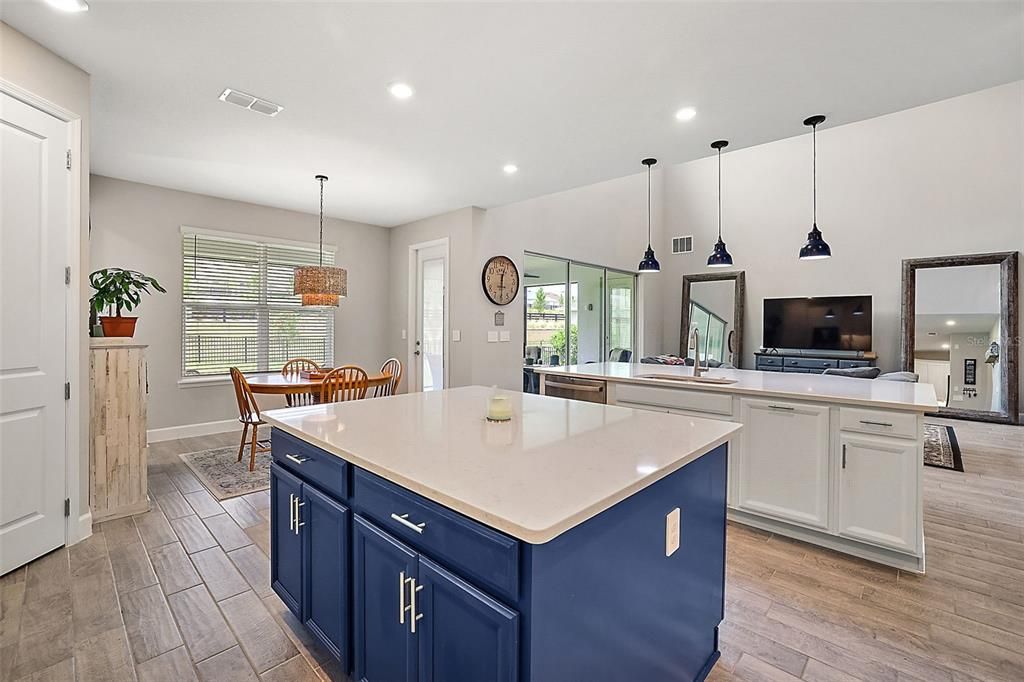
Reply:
x=575, y=388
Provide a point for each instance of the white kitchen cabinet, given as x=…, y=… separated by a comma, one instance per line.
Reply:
x=877, y=478
x=784, y=467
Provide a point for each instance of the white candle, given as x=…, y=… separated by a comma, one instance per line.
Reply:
x=499, y=408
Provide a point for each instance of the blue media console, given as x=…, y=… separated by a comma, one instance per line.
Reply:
x=400, y=588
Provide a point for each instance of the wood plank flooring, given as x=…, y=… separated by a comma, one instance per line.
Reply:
x=182, y=592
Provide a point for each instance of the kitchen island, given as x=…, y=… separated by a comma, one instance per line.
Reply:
x=417, y=541
x=831, y=460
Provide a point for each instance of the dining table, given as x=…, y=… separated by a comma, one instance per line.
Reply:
x=275, y=383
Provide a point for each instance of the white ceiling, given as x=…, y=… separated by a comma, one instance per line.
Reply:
x=572, y=93
x=931, y=331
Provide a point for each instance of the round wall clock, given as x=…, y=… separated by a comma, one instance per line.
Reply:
x=500, y=280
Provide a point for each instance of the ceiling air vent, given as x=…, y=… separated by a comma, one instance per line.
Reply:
x=246, y=101
x=682, y=244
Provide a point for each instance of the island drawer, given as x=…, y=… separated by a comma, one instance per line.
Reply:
x=480, y=554
x=328, y=472
x=900, y=424
x=682, y=398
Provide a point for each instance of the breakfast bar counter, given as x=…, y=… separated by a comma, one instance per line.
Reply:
x=574, y=542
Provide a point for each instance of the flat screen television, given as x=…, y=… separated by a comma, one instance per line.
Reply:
x=818, y=323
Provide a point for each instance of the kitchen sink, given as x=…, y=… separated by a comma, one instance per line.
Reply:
x=687, y=379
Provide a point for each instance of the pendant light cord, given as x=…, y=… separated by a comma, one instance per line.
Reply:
x=719, y=194
x=321, y=222
x=814, y=174
x=648, y=206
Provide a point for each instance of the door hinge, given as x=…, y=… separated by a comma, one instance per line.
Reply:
x=67, y=506
x=67, y=390
x=68, y=164
x=67, y=274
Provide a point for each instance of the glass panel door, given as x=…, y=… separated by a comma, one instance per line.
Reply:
x=546, y=299
x=586, y=314
x=620, y=290
x=430, y=336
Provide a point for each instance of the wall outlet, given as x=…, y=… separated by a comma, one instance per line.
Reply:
x=672, y=532
x=456, y=335
x=492, y=337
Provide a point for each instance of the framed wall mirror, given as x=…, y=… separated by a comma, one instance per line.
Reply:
x=713, y=304
x=961, y=332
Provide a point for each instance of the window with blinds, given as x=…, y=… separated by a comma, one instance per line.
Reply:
x=238, y=310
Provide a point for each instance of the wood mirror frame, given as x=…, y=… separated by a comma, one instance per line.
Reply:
x=738, y=307
x=1009, y=328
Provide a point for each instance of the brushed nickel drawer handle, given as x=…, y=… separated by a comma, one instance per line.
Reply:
x=291, y=511
x=781, y=407
x=871, y=423
x=297, y=460
x=575, y=387
x=404, y=520
x=298, y=523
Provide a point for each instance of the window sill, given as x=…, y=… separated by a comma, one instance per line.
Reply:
x=198, y=382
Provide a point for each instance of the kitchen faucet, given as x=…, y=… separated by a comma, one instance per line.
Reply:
x=696, y=353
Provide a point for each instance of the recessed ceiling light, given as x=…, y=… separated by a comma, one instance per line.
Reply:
x=686, y=114
x=950, y=323
x=69, y=5
x=945, y=346
x=401, y=90
x=510, y=168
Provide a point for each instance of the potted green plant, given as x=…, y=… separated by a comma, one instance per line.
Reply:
x=118, y=290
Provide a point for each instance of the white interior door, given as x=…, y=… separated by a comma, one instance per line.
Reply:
x=34, y=217
x=429, y=342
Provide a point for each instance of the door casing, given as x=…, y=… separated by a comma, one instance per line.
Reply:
x=413, y=312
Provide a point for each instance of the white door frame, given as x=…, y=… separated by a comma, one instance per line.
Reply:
x=77, y=526
x=410, y=342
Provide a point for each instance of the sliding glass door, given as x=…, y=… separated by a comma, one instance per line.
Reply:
x=576, y=313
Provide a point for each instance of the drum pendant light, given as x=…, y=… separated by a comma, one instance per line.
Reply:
x=649, y=262
x=720, y=257
x=320, y=285
x=815, y=248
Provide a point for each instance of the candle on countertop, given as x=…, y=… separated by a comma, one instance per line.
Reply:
x=499, y=408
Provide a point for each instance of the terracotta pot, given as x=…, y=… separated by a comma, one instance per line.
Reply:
x=118, y=326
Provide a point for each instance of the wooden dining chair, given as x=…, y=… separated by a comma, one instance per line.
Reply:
x=344, y=383
x=392, y=367
x=294, y=368
x=249, y=415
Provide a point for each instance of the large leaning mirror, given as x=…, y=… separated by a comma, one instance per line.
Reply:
x=713, y=304
x=960, y=332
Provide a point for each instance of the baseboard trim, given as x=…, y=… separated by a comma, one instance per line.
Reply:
x=191, y=430
x=80, y=529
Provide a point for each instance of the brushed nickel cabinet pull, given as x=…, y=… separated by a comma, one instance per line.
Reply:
x=298, y=523
x=297, y=460
x=401, y=597
x=844, y=455
x=413, y=591
x=787, y=408
x=404, y=520
x=291, y=511
x=871, y=423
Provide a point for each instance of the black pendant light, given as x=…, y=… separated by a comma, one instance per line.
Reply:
x=649, y=263
x=720, y=257
x=815, y=248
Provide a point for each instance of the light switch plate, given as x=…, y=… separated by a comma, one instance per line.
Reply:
x=672, y=532
x=492, y=337
x=506, y=336
x=456, y=335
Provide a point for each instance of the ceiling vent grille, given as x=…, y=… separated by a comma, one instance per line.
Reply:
x=682, y=245
x=250, y=102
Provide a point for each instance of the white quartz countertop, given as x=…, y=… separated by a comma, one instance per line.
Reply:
x=897, y=395
x=556, y=464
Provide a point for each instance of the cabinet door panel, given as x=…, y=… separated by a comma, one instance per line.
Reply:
x=464, y=634
x=324, y=533
x=878, y=502
x=784, y=461
x=385, y=649
x=285, y=543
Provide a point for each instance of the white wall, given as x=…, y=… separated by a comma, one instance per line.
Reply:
x=941, y=179
x=138, y=226
x=32, y=67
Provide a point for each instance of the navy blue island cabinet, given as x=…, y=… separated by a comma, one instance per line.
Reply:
x=400, y=588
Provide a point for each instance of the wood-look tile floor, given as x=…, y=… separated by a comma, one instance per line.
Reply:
x=182, y=592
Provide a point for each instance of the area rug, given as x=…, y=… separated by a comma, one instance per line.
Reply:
x=941, y=449
x=224, y=476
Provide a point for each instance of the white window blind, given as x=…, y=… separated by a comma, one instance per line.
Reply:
x=238, y=310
